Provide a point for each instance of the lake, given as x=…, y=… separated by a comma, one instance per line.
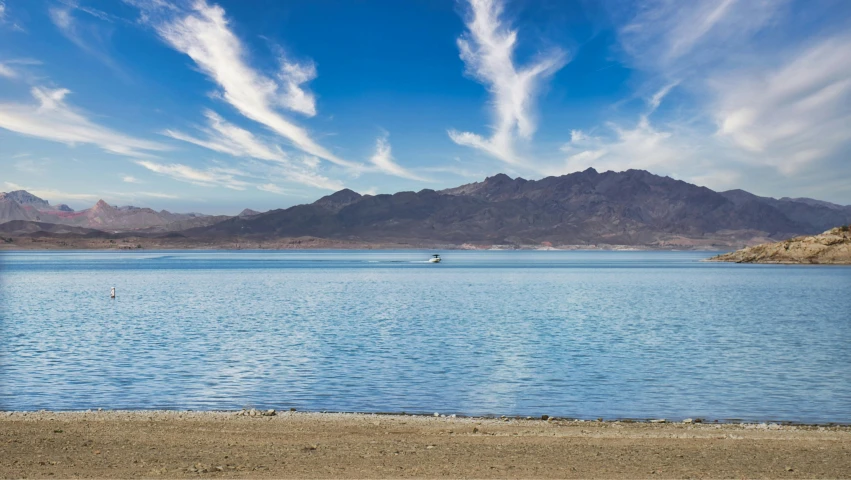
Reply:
x=575, y=334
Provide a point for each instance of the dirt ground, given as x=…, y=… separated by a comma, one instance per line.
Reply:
x=315, y=445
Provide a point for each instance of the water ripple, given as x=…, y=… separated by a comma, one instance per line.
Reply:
x=580, y=334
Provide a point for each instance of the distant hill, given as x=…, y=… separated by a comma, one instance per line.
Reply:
x=830, y=247
x=27, y=228
x=633, y=207
x=817, y=214
x=22, y=205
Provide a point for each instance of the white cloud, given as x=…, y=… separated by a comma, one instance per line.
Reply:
x=294, y=97
x=213, y=176
x=251, y=174
x=156, y=195
x=794, y=114
x=384, y=162
x=52, y=119
x=204, y=35
x=51, y=195
x=657, y=97
x=677, y=37
x=225, y=137
x=57, y=196
x=130, y=179
x=272, y=188
x=61, y=17
x=5, y=19
x=487, y=49
x=641, y=147
x=456, y=171
x=303, y=171
x=7, y=71
x=136, y=195
x=89, y=37
x=15, y=68
x=32, y=165
x=759, y=105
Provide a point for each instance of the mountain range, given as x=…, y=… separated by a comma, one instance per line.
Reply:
x=22, y=205
x=634, y=207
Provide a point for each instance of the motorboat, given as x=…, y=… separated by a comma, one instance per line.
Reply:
x=434, y=259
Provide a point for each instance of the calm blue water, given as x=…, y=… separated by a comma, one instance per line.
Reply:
x=578, y=334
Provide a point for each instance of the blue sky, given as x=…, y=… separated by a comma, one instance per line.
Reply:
x=217, y=106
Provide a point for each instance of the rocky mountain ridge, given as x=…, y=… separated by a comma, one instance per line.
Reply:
x=583, y=208
x=589, y=208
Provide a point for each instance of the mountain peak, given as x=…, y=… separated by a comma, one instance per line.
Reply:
x=338, y=200
x=24, y=197
x=248, y=213
x=499, y=178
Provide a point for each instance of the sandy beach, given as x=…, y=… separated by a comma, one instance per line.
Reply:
x=325, y=445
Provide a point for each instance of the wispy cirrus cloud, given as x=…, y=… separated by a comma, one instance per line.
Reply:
x=302, y=170
x=203, y=33
x=383, y=160
x=250, y=174
x=272, y=188
x=793, y=114
x=6, y=21
x=133, y=196
x=92, y=38
x=678, y=38
x=7, y=71
x=487, y=49
x=51, y=118
x=224, y=137
x=51, y=195
x=208, y=177
x=756, y=100
x=16, y=68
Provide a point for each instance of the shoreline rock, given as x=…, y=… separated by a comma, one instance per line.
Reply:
x=832, y=247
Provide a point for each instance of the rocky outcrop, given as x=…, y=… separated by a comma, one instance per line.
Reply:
x=830, y=247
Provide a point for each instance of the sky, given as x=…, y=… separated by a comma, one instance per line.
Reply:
x=215, y=106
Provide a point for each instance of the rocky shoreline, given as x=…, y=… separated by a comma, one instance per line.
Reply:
x=832, y=247
x=101, y=414
x=287, y=444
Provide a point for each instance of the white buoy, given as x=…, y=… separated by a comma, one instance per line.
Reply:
x=112, y=293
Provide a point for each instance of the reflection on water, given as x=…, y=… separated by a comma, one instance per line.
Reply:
x=579, y=334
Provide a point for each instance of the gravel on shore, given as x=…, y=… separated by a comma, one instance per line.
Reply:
x=179, y=444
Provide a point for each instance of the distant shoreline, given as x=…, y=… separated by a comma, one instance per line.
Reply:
x=767, y=423
x=273, y=246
